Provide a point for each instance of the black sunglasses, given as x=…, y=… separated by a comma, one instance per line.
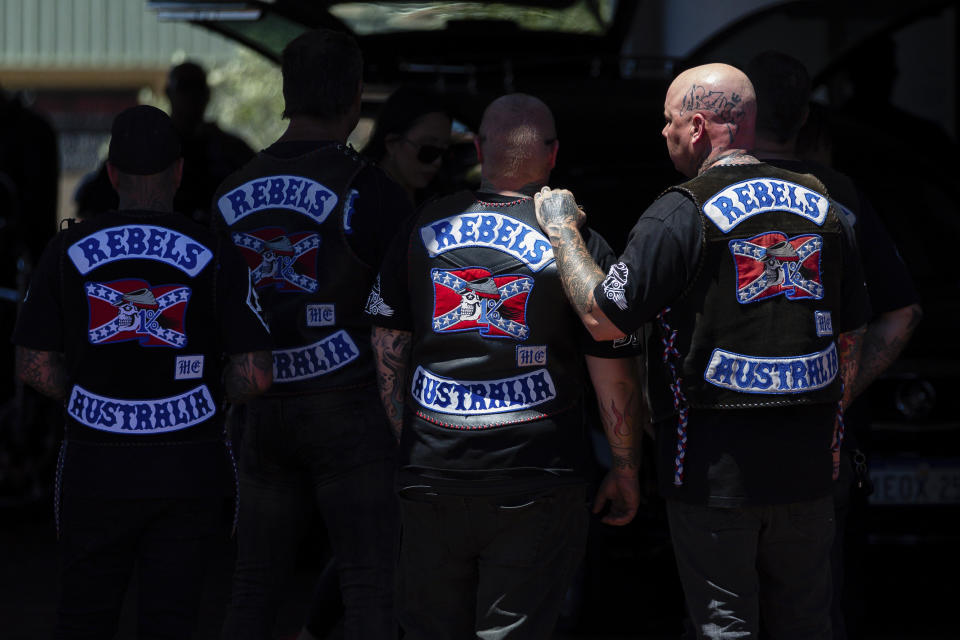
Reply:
x=427, y=153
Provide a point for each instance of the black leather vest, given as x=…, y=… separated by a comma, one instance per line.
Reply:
x=755, y=326
x=141, y=330
x=495, y=349
x=289, y=218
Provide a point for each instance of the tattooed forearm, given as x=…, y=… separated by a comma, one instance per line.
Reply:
x=849, y=345
x=618, y=397
x=578, y=272
x=248, y=375
x=391, y=351
x=882, y=344
x=42, y=370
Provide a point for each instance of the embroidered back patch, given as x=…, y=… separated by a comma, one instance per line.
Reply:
x=277, y=259
x=131, y=309
x=489, y=230
x=139, y=242
x=473, y=299
x=771, y=264
x=481, y=397
x=743, y=200
x=759, y=374
x=141, y=417
x=292, y=193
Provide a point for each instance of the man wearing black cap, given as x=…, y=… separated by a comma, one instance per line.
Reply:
x=141, y=323
x=313, y=219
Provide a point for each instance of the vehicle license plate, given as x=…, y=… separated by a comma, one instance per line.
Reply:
x=915, y=482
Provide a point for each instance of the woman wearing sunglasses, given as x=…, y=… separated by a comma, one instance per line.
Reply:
x=410, y=138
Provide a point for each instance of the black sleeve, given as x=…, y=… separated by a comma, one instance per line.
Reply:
x=380, y=207
x=388, y=304
x=855, y=311
x=888, y=280
x=626, y=347
x=660, y=257
x=40, y=323
x=242, y=329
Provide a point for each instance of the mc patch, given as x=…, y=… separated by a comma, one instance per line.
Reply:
x=131, y=309
x=823, y=322
x=277, y=259
x=321, y=315
x=532, y=356
x=771, y=264
x=188, y=367
x=472, y=299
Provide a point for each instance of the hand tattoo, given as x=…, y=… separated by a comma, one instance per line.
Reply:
x=556, y=211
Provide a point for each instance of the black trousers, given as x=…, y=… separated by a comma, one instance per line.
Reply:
x=492, y=567
x=750, y=566
x=102, y=542
x=333, y=452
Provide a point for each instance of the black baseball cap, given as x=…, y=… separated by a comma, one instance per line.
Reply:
x=143, y=141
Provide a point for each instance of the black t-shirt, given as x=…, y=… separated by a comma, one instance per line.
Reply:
x=380, y=207
x=758, y=456
x=187, y=468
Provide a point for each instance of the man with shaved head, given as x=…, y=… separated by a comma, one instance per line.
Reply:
x=482, y=366
x=751, y=289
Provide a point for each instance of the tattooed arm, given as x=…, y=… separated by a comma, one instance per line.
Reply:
x=849, y=344
x=391, y=353
x=617, y=388
x=247, y=375
x=884, y=340
x=560, y=218
x=42, y=370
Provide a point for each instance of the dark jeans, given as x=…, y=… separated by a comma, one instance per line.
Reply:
x=329, y=451
x=488, y=567
x=168, y=541
x=743, y=567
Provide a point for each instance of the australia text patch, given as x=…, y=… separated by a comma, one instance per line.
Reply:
x=480, y=397
x=758, y=374
x=317, y=359
x=137, y=417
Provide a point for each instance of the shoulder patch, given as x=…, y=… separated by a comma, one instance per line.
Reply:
x=489, y=230
x=139, y=242
x=743, y=200
x=292, y=193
